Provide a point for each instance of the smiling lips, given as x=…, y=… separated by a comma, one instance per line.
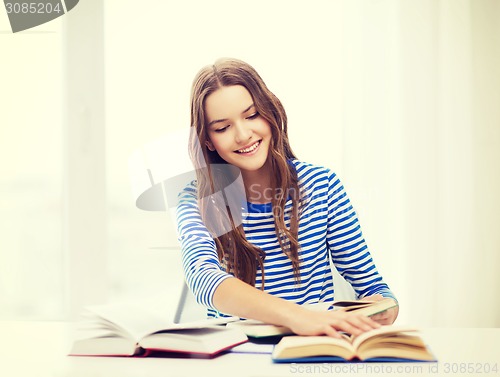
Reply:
x=249, y=149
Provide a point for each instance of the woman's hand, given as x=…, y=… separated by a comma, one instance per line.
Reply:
x=308, y=322
x=235, y=297
x=386, y=317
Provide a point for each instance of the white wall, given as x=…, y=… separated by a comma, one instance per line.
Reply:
x=31, y=252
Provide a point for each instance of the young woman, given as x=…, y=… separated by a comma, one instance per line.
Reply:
x=258, y=227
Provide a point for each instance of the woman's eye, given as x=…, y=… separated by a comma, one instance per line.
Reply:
x=221, y=129
x=253, y=116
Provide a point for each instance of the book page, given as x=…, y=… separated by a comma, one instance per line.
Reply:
x=367, y=308
x=309, y=346
x=136, y=322
x=130, y=319
x=349, y=303
x=384, y=330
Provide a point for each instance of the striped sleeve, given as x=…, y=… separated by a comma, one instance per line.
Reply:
x=348, y=249
x=200, y=262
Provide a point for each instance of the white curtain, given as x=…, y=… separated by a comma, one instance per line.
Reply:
x=421, y=151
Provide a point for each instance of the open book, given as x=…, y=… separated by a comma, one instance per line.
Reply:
x=388, y=343
x=258, y=329
x=126, y=330
x=365, y=307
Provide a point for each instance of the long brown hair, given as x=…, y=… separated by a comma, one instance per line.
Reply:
x=240, y=257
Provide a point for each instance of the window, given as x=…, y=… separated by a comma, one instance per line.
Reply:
x=31, y=247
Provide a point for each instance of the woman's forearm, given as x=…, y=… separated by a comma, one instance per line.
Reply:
x=235, y=297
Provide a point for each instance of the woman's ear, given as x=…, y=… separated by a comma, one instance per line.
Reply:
x=209, y=145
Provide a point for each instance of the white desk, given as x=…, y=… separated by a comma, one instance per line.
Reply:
x=38, y=349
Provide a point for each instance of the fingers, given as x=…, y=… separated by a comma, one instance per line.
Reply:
x=386, y=317
x=350, y=328
x=363, y=323
x=380, y=316
x=354, y=323
x=383, y=320
x=330, y=331
x=369, y=322
x=331, y=322
x=376, y=297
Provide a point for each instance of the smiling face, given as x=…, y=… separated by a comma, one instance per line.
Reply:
x=239, y=134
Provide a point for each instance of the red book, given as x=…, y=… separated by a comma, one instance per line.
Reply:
x=126, y=330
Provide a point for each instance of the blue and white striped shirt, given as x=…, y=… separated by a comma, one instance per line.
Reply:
x=328, y=228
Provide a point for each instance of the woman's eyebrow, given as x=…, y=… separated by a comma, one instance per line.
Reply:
x=248, y=108
x=225, y=120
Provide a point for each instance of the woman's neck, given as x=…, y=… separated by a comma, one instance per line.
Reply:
x=258, y=185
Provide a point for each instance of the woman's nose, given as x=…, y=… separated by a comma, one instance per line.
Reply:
x=243, y=133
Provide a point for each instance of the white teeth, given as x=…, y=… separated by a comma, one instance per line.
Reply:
x=249, y=149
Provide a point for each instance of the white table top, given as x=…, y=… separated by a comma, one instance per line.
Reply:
x=40, y=349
